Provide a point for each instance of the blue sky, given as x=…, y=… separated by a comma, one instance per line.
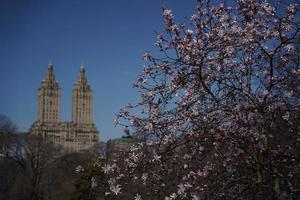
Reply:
x=108, y=36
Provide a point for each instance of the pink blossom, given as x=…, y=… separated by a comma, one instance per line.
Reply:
x=168, y=14
x=189, y=32
x=147, y=56
x=149, y=127
x=286, y=116
x=137, y=197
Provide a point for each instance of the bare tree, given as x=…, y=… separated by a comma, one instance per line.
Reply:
x=31, y=156
x=8, y=137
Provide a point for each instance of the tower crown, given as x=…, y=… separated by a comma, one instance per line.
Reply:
x=49, y=80
x=50, y=75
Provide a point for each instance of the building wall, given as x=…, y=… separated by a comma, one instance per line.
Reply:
x=70, y=136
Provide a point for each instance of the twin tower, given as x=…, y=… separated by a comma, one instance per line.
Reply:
x=78, y=135
x=49, y=99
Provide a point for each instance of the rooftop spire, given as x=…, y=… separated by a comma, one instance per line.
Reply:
x=50, y=68
x=50, y=74
x=82, y=77
x=82, y=68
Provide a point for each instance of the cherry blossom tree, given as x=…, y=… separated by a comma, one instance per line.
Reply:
x=219, y=108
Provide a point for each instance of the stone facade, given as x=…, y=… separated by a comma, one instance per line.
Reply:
x=80, y=134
